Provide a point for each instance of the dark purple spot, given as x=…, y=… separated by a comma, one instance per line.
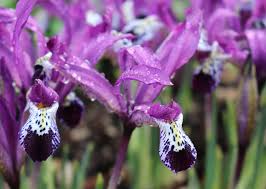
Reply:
x=182, y=159
x=39, y=148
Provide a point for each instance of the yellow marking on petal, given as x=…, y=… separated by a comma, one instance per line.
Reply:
x=43, y=119
x=176, y=132
x=40, y=105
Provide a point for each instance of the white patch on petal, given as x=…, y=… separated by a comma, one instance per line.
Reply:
x=122, y=43
x=93, y=18
x=40, y=121
x=127, y=10
x=44, y=61
x=203, y=42
x=144, y=29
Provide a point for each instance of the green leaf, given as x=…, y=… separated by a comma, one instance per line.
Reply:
x=193, y=180
x=254, y=156
x=80, y=171
x=47, y=175
x=64, y=161
x=261, y=184
x=24, y=181
x=99, y=181
x=211, y=138
x=230, y=159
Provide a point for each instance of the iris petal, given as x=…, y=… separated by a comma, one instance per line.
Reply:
x=39, y=136
x=176, y=150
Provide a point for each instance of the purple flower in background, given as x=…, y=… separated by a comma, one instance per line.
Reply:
x=238, y=29
x=206, y=76
x=70, y=112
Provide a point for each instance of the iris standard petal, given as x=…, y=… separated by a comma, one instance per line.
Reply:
x=94, y=83
x=97, y=46
x=145, y=74
x=143, y=56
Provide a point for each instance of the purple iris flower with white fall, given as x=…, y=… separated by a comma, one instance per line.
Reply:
x=147, y=61
x=133, y=102
x=33, y=98
x=39, y=136
x=239, y=30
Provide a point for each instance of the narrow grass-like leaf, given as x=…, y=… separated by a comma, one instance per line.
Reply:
x=64, y=161
x=193, y=180
x=184, y=96
x=210, y=159
x=24, y=181
x=99, y=181
x=253, y=158
x=261, y=184
x=230, y=160
x=218, y=174
x=80, y=171
x=47, y=175
x=1, y=181
x=260, y=146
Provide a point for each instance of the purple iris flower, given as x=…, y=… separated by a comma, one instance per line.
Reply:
x=39, y=136
x=23, y=92
x=238, y=29
x=147, y=54
x=152, y=71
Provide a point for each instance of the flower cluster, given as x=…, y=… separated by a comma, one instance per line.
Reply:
x=238, y=29
x=147, y=43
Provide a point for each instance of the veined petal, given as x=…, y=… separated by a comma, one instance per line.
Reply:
x=94, y=83
x=260, y=8
x=257, y=40
x=39, y=136
x=176, y=150
x=6, y=88
x=182, y=43
x=96, y=47
x=143, y=56
x=7, y=15
x=164, y=112
x=145, y=74
x=174, y=52
x=23, y=10
x=40, y=94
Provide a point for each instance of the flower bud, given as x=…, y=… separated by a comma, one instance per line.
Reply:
x=247, y=103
